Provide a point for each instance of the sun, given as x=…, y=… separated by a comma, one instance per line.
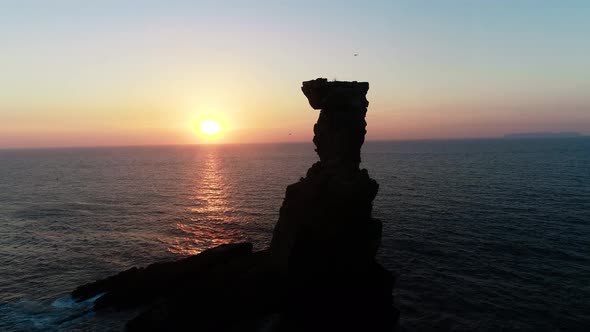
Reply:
x=210, y=127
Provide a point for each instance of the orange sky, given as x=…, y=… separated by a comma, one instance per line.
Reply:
x=111, y=73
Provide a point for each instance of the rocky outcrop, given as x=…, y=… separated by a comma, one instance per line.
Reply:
x=326, y=238
x=320, y=272
x=139, y=286
x=340, y=129
x=221, y=289
x=335, y=194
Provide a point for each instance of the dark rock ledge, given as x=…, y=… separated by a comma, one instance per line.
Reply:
x=320, y=272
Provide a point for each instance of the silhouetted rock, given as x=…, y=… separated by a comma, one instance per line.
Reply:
x=236, y=296
x=335, y=193
x=340, y=130
x=320, y=272
x=326, y=239
x=139, y=286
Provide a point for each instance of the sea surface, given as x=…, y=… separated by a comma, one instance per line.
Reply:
x=483, y=235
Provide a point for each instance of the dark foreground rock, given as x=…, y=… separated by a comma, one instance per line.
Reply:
x=138, y=286
x=320, y=272
x=237, y=296
x=220, y=289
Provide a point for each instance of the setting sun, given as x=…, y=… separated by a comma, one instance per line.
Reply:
x=210, y=127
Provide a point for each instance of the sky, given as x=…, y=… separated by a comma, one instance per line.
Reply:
x=82, y=73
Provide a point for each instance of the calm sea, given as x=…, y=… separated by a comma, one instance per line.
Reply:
x=482, y=234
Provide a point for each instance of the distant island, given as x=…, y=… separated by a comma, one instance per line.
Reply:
x=565, y=134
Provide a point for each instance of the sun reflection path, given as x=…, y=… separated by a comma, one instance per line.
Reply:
x=212, y=221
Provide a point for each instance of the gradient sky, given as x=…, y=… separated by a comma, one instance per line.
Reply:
x=78, y=73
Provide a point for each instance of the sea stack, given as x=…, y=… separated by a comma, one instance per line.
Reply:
x=320, y=272
x=326, y=239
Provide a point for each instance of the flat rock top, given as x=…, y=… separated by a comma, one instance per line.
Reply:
x=323, y=94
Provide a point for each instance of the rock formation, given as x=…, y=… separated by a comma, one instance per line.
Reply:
x=325, y=238
x=335, y=196
x=320, y=272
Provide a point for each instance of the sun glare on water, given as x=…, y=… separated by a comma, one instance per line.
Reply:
x=210, y=127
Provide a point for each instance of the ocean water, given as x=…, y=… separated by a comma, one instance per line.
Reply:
x=482, y=234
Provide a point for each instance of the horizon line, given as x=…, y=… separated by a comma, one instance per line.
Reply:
x=272, y=143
